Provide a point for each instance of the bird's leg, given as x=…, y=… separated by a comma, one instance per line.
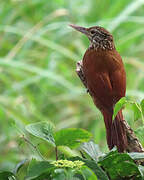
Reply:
x=79, y=71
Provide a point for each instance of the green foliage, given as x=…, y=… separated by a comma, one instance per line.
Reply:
x=120, y=166
x=142, y=109
x=5, y=175
x=142, y=105
x=38, y=168
x=119, y=105
x=92, y=150
x=96, y=169
x=136, y=107
x=71, y=137
x=111, y=166
x=137, y=111
x=140, y=132
x=42, y=130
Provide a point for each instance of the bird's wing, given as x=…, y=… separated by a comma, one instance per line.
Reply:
x=118, y=82
x=100, y=88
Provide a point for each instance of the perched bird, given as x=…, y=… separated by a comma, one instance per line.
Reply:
x=105, y=78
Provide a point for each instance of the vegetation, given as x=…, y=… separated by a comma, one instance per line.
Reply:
x=38, y=53
x=92, y=165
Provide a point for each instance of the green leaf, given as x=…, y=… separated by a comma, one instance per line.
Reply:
x=78, y=177
x=140, y=132
x=43, y=130
x=92, y=150
x=19, y=165
x=137, y=111
x=141, y=169
x=111, y=152
x=71, y=137
x=136, y=155
x=124, y=170
x=118, y=106
x=142, y=106
x=59, y=174
x=114, y=158
x=142, y=109
x=88, y=173
x=5, y=175
x=21, y=169
x=38, y=168
x=94, y=167
x=119, y=165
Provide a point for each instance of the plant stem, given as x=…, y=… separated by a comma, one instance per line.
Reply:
x=56, y=151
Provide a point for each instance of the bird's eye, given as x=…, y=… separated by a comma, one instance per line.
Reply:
x=92, y=31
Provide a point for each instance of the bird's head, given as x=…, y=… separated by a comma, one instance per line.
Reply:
x=98, y=36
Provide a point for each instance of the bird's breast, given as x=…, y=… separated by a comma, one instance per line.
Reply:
x=101, y=61
x=94, y=61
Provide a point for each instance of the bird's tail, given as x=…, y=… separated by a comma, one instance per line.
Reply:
x=116, y=135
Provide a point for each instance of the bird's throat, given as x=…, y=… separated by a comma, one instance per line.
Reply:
x=103, y=44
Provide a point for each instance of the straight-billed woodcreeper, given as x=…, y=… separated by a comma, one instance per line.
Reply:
x=105, y=78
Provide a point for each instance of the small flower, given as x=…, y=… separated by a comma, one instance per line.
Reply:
x=66, y=163
x=78, y=163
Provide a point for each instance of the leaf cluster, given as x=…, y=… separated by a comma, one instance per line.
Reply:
x=92, y=164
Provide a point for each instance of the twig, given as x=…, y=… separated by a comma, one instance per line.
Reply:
x=56, y=151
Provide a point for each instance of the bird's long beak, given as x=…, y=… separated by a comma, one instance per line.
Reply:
x=80, y=29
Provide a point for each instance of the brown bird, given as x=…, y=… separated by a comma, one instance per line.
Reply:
x=105, y=78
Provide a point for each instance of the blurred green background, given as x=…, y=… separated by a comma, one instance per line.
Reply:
x=38, y=53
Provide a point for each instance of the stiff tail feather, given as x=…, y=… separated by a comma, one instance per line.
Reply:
x=115, y=132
